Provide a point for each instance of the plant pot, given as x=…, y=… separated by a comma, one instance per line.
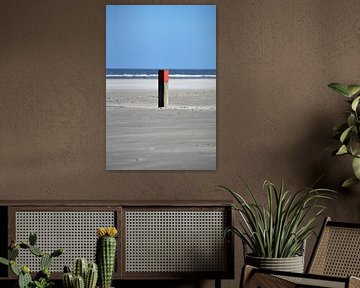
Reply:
x=291, y=264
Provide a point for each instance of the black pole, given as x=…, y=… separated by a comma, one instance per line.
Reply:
x=163, y=98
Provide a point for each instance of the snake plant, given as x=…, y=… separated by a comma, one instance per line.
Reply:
x=348, y=133
x=279, y=228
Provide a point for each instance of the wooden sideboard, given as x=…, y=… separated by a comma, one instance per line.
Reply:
x=157, y=240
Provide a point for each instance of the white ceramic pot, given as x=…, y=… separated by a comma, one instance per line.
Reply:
x=291, y=264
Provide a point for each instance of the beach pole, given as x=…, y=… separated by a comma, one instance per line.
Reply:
x=163, y=79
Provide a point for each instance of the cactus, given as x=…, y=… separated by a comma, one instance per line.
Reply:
x=36, y=251
x=24, y=277
x=24, y=280
x=79, y=282
x=45, y=261
x=13, y=253
x=105, y=254
x=89, y=272
x=42, y=278
x=67, y=269
x=80, y=268
x=91, y=276
x=68, y=280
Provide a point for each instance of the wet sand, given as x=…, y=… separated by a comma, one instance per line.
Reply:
x=140, y=136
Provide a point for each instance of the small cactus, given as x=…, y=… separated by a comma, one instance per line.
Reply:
x=68, y=280
x=91, y=276
x=80, y=268
x=89, y=272
x=106, y=254
x=79, y=282
x=67, y=269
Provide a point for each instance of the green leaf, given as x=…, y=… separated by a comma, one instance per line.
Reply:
x=353, y=89
x=356, y=167
x=340, y=127
x=351, y=120
x=14, y=268
x=4, y=261
x=354, y=145
x=345, y=134
x=349, y=182
x=355, y=103
x=342, y=150
x=340, y=88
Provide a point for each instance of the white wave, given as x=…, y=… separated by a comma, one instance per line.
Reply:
x=155, y=76
x=153, y=107
x=191, y=76
x=131, y=75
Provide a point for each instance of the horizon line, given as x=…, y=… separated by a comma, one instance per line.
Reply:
x=165, y=68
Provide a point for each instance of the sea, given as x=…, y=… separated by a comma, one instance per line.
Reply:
x=116, y=73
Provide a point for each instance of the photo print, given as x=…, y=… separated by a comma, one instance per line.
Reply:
x=161, y=87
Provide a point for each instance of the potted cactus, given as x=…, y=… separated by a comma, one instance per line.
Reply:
x=85, y=275
x=106, y=254
x=42, y=278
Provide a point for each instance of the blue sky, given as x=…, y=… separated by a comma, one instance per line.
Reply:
x=161, y=36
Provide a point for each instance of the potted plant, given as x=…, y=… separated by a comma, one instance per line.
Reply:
x=42, y=278
x=348, y=132
x=87, y=274
x=275, y=233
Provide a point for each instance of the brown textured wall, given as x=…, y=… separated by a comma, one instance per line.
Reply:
x=275, y=114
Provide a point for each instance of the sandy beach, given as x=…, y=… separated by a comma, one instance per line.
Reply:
x=140, y=136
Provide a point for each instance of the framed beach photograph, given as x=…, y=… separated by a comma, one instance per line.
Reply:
x=161, y=87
